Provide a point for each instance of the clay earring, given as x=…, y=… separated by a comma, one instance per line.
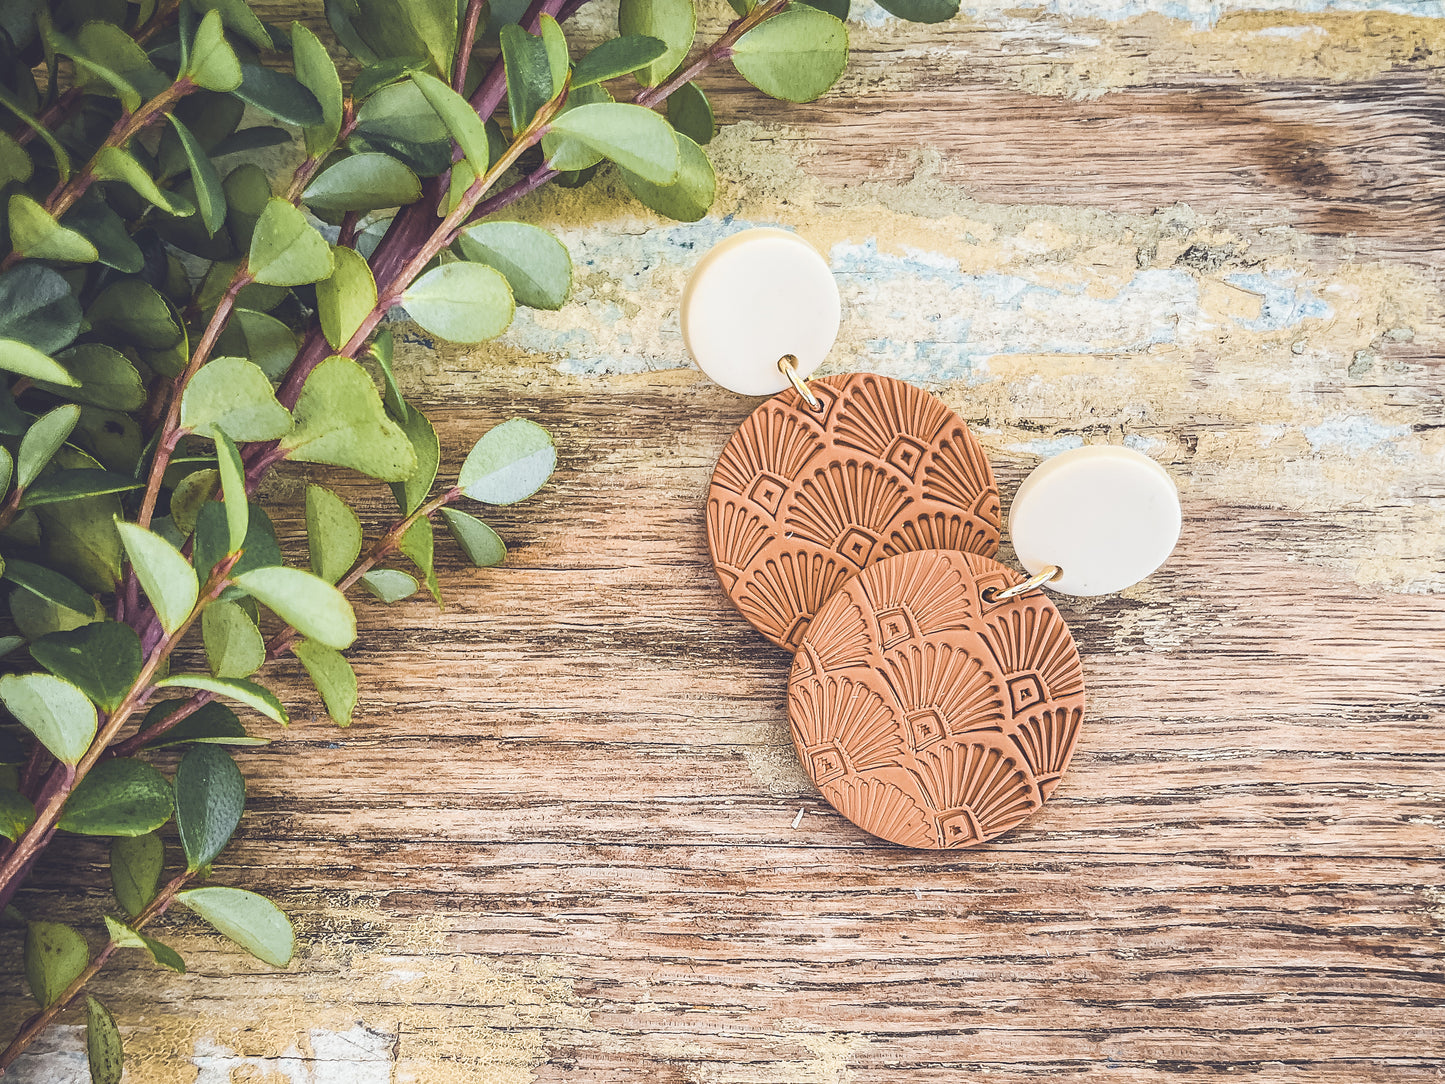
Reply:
x=937, y=698
x=829, y=476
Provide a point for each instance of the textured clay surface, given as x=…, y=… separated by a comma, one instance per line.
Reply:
x=803, y=499
x=929, y=716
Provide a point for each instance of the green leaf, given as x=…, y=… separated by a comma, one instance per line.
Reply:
x=126, y=937
x=15, y=163
x=210, y=196
x=363, y=182
x=210, y=795
x=389, y=584
x=106, y=377
x=190, y=496
x=345, y=299
x=615, y=57
x=239, y=17
x=461, y=302
x=132, y=311
x=17, y=813
x=340, y=420
x=90, y=69
x=37, y=308
x=265, y=340
x=637, y=139
x=253, y=922
x=279, y=95
x=41, y=441
x=462, y=121
x=213, y=540
x=7, y=469
x=535, y=264
x=418, y=545
x=103, y=1048
x=237, y=689
x=482, y=545
x=49, y=585
x=55, y=955
x=921, y=11
x=135, y=870
x=74, y=485
x=19, y=357
x=121, y=797
x=286, y=250
x=509, y=463
x=314, y=607
x=233, y=488
x=797, y=55
x=839, y=9
x=35, y=235
x=247, y=193
x=333, y=533
x=411, y=493
x=384, y=73
x=400, y=112
x=212, y=723
x=317, y=73
x=35, y=616
x=233, y=397
x=690, y=196
x=529, y=74
x=671, y=21
x=557, y=57
x=101, y=659
x=102, y=227
x=212, y=63
x=333, y=677
x=691, y=114
x=114, y=164
x=234, y=647
x=168, y=579
x=62, y=160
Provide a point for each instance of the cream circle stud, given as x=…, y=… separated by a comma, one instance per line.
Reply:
x=1108, y=516
x=755, y=297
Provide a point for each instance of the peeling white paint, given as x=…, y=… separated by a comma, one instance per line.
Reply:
x=1352, y=432
x=355, y=1056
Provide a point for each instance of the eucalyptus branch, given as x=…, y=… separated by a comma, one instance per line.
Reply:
x=38, y=1022
x=465, y=41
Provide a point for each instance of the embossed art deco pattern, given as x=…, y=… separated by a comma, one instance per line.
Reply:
x=803, y=499
x=928, y=716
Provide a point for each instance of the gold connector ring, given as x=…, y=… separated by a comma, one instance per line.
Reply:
x=788, y=366
x=1037, y=580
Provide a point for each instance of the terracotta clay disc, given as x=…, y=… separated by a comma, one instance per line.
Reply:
x=803, y=499
x=929, y=716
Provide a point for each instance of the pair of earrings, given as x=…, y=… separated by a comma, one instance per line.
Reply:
x=936, y=695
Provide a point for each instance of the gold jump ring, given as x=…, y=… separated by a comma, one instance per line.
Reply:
x=1037, y=580
x=788, y=366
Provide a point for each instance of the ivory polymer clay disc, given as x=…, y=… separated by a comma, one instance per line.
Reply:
x=802, y=499
x=755, y=297
x=929, y=716
x=1122, y=517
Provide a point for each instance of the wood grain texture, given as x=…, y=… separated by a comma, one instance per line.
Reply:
x=558, y=843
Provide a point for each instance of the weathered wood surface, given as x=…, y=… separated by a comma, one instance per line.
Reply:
x=557, y=845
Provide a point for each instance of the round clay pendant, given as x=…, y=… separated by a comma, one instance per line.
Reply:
x=927, y=714
x=802, y=499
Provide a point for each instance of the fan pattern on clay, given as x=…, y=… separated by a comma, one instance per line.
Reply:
x=801, y=499
x=929, y=716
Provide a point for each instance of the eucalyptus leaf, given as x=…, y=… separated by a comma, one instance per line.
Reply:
x=233, y=396
x=74, y=485
x=135, y=870
x=92, y=216
x=106, y=377
x=839, y=9
x=346, y=298
x=418, y=545
x=529, y=74
x=363, y=182
x=35, y=235
x=333, y=677
x=133, y=312
x=312, y=606
x=210, y=795
x=120, y=797
x=340, y=420
x=268, y=343
x=637, y=139
x=239, y=17
x=253, y=922
x=17, y=813
x=238, y=689
x=114, y=164
x=616, y=57
x=126, y=937
x=103, y=1050
x=62, y=160
x=460, y=118
x=168, y=579
x=509, y=463
x=190, y=496
x=690, y=113
x=247, y=193
x=796, y=55
x=333, y=533
x=317, y=73
x=37, y=308
x=673, y=22
x=921, y=11
x=383, y=74
x=234, y=647
x=102, y=659
x=213, y=540
x=24, y=359
x=15, y=163
x=55, y=955
x=688, y=198
x=233, y=489
x=213, y=63
x=48, y=584
x=210, y=196
x=401, y=112
x=41, y=441
x=279, y=95
x=389, y=584
x=535, y=264
x=411, y=493
x=285, y=249
x=482, y=545
x=461, y=302
x=210, y=724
